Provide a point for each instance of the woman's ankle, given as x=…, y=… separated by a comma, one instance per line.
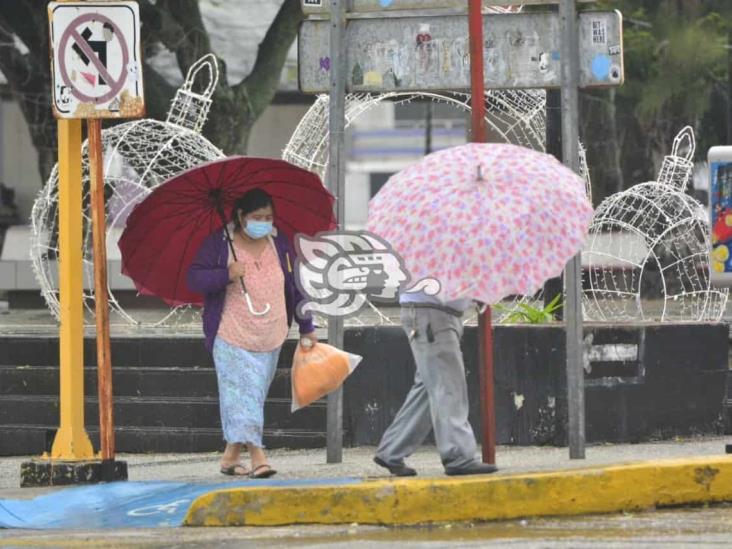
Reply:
x=232, y=454
x=257, y=455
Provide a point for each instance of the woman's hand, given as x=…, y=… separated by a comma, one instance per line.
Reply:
x=308, y=340
x=236, y=270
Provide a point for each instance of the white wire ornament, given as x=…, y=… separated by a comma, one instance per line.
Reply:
x=517, y=116
x=648, y=253
x=138, y=156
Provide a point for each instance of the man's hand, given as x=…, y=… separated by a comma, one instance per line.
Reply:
x=236, y=270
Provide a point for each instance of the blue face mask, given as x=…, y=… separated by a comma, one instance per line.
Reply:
x=258, y=229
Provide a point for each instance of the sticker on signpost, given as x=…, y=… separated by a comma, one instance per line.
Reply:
x=96, y=60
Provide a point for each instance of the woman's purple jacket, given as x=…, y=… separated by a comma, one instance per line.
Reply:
x=209, y=275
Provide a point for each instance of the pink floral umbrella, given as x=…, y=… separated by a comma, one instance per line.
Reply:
x=486, y=220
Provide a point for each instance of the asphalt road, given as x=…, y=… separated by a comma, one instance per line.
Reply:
x=704, y=527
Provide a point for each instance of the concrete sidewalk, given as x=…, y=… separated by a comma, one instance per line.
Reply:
x=700, y=472
x=310, y=464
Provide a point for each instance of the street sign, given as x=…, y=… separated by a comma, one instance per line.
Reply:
x=322, y=7
x=96, y=68
x=431, y=52
x=96, y=60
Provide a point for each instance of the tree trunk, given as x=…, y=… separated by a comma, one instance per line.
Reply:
x=615, y=151
x=47, y=158
x=42, y=127
x=601, y=136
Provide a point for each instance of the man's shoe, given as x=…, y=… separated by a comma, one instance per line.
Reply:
x=476, y=468
x=398, y=470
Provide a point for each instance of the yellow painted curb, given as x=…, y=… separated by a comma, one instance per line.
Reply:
x=413, y=501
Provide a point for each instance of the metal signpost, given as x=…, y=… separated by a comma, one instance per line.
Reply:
x=479, y=133
x=573, y=272
x=72, y=440
x=336, y=185
x=97, y=73
x=424, y=45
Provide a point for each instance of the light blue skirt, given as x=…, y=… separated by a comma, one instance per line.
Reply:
x=244, y=378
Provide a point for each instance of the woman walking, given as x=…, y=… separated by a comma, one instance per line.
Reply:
x=245, y=335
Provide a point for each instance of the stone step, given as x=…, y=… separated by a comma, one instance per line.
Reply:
x=172, y=413
x=33, y=440
x=141, y=352
x=678, y=392
x=131, y=381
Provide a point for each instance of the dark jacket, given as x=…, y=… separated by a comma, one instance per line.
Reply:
x=209, y=275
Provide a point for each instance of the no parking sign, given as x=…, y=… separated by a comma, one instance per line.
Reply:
x=96, y=60
x=96, y=69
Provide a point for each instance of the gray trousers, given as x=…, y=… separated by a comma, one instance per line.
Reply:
x=439, y=397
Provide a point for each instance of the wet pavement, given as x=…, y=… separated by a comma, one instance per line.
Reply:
x=702, y=527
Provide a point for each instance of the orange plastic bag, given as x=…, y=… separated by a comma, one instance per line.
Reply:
x=318, y=371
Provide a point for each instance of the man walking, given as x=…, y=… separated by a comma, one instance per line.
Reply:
x=438, y=399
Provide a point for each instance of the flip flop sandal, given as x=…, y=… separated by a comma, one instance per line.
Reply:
x=258, y=473
x=231, y=470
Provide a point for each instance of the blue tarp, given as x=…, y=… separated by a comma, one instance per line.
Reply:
x=121, y=504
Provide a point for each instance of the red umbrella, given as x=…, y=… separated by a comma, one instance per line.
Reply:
x=165, y=230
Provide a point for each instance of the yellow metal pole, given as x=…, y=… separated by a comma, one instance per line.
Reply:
x=72, y=441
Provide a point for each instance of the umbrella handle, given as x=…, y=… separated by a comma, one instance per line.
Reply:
x=251, y=306
x=241, y=278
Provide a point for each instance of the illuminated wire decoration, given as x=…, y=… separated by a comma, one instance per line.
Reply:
x=138, y=156
x=515, y=116
x=648, y=255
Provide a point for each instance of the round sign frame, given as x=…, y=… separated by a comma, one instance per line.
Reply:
x=69, y=33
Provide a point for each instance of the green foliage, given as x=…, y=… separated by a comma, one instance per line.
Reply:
x=688, y=57
x=673, y=54
x=677, y=73
x=527, y=314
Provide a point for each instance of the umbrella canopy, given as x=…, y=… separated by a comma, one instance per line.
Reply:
x=165, y=230
x=486, y=220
